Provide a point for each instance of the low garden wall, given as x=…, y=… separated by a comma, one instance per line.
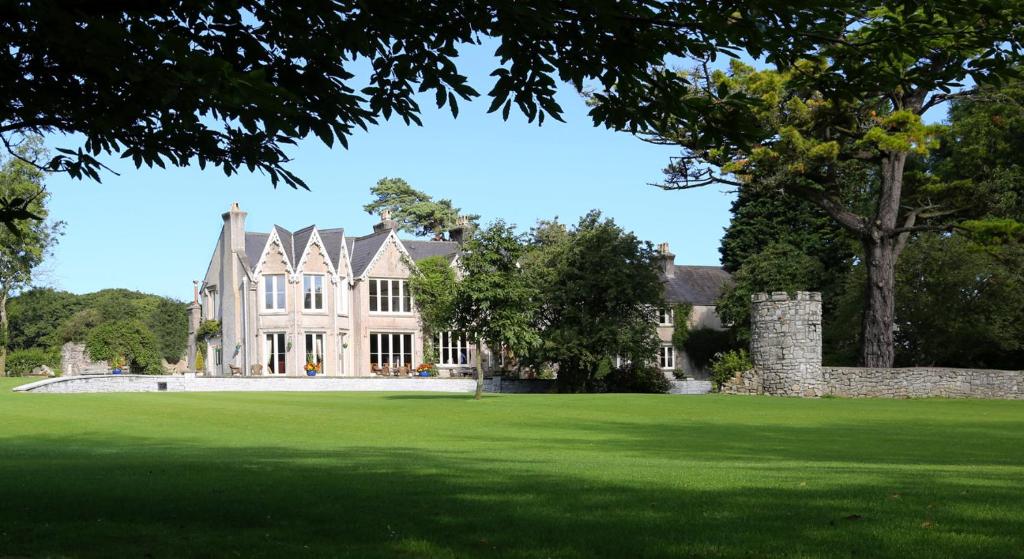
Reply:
x=901, y=382
x=690, y=387
x=174, y=383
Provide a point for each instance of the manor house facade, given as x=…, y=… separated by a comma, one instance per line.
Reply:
x=287, y=299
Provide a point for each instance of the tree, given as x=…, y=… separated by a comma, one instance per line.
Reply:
x=853, y=103
x=779, y=267
x=36, y=314
x=600, y=292
x=435, y=290
x=495, y=303
x=233, y=84
x=960, y=304
x=416, y=212
x=23, y=243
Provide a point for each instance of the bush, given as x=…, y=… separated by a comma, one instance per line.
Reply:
x=703, y=344
x=637, y=378
x=22, y=361
x=679, y=374
x=127, y=339
x=725, y=365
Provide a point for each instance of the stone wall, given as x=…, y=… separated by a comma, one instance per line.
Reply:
x=785, y=343
x=924, y=382
x=74, y=361
x=176, y=383
x=690, y=387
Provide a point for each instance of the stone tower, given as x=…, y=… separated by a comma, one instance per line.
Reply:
x=785, y=343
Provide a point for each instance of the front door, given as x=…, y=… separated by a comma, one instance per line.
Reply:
x=275, y=353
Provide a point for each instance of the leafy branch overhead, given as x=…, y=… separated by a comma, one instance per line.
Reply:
x=235, y=84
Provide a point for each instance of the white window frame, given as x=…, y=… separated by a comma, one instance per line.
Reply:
x=456, y=345
x=275, y=343
x=666, y=317
x=318, y=357
x=400, y=351
x=383, y=301
x=278, y=290
x=667, y=357
x=621, y=362
x=310, y=291
x=341, y=297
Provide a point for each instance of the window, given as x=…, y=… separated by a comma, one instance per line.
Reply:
x=341, y=297
x=621, y=362
x=390, y=296
x=218, y=356
x=452, y=349
x=393, y=349
x=273, y=292
x=667, y=357
x=313, y=292
x=315, y=348
x=666, y=316
x=211, y=304
x=275, y=353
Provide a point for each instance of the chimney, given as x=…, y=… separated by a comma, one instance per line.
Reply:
x=462, y=230
x=195, y=291
x=668, y=260
x=385, y=222
x=234, y=228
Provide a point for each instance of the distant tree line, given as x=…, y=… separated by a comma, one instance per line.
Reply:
x=115, y=324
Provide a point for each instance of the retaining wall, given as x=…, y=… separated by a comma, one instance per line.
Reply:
x=168, y=383
x=904, y=382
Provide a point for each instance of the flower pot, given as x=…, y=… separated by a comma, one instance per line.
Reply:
x=311, y=373
x=424, y=373
x=116, y=371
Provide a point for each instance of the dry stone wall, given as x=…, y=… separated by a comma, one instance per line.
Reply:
x=924, y=382
x=74, y=360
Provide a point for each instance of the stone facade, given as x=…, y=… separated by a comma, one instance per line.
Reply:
x=785, y=346
x=74, y=360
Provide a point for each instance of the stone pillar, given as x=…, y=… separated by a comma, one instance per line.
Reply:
x=785, y=343
x=194, y=319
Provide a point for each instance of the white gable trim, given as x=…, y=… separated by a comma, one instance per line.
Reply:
x=344, y=255
x=314, y=239
x=271, y=240
x=392, y=239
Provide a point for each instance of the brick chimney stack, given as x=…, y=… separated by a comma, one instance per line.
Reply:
x=386, y=222
x=462, y=230
x=234, y=228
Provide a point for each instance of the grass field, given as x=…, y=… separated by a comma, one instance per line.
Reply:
x=416, y=475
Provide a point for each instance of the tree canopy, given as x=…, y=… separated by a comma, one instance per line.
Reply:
x=851, y=107
x=416, y=212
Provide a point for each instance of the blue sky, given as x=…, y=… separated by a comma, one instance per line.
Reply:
x=154, y=230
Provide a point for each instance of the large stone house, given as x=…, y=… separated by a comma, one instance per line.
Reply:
x=285, y=299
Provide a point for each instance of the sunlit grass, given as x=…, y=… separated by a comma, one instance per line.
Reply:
x=428, y=475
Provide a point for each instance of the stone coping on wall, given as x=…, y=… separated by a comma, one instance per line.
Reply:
x=179, y=383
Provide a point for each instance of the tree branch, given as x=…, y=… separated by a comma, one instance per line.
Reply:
x=849, y=220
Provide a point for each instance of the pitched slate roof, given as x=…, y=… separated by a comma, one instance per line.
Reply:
x=254, y=245
x=299, y=239
x=332, y=243
x=287, y=243
x=364, y=249
x=697, y=285
x=425, y=249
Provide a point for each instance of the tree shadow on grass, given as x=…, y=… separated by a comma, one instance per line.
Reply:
x=104, y=496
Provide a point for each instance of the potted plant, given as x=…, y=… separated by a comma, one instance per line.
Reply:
x=426, y=370
x=117, y=364
x=312, y=367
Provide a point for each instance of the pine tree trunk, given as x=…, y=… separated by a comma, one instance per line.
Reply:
x=877, y=344
x=479, y=373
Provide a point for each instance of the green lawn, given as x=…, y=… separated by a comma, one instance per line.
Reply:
x=419, y=475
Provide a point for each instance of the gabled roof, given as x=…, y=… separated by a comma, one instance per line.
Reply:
x=697, y=285
x=287, y=242
x=254, y=245
x=364, y=249
x=300, y=239
x=332, y=239
x=425, y=249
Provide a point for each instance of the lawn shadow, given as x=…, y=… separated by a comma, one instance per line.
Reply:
x=96, y=495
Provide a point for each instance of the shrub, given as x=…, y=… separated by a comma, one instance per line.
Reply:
x=22, y=361
x=725, y=365
x=679, y=374
x=128, y=339
x=637, y=378
x=703, y=344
